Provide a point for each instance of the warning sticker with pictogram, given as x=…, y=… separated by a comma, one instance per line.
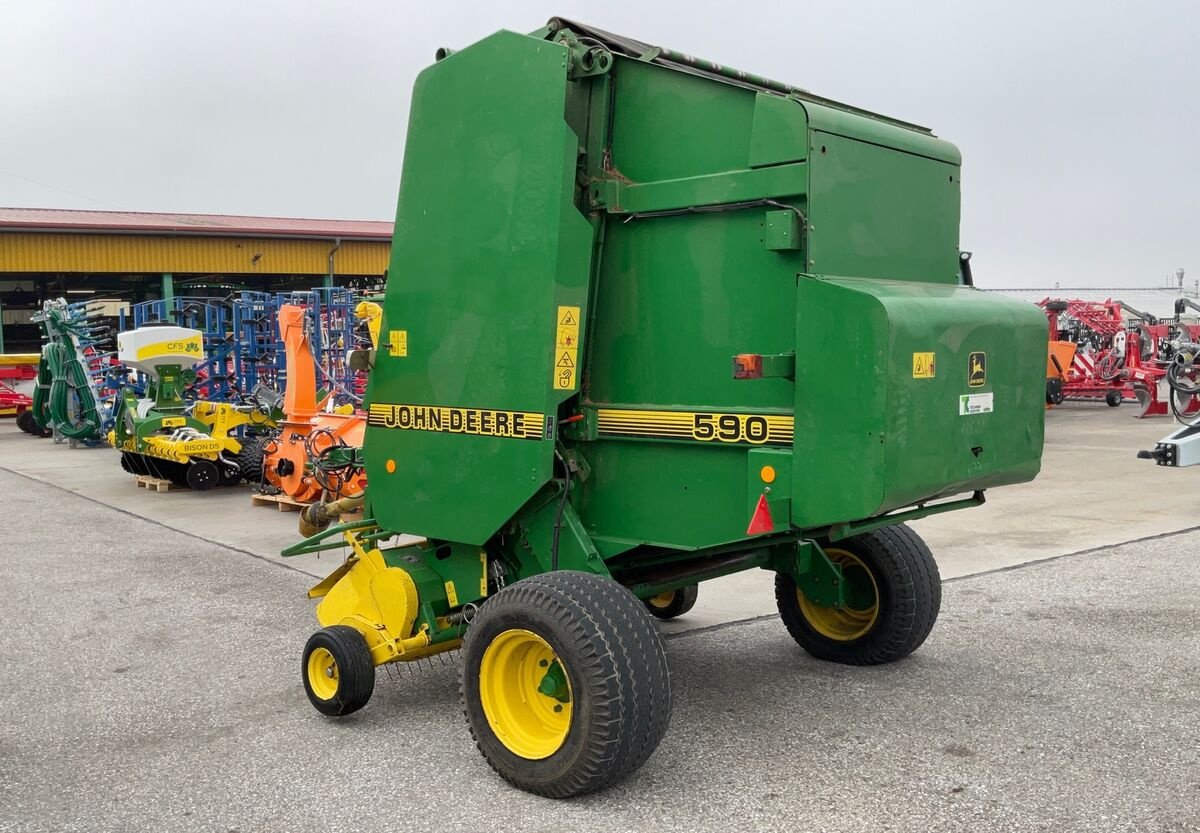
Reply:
x=566, y=348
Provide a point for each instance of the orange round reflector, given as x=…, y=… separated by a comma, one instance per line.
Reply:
x=390, y=465
x=767, y=473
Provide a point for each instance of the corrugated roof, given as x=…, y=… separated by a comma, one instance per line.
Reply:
x=1156, y=301
x=138, y=222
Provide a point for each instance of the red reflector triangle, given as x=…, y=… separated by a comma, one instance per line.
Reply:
x=761, y=521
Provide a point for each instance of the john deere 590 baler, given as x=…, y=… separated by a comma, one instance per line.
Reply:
x=650, y=321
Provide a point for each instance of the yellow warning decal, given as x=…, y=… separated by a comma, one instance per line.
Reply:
x=923, y=366
x=752, y=429
x=451, y=594
x=483, y=576
x=398, y=342
x=566, y=349
x=483, y=422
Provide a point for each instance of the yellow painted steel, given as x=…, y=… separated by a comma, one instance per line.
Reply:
x=378, y=601
x=19, y=359
x=137, y=254
x=663, y=600
x=530, y=723
x=322, y=674
x=372, y=313
x=845, y=624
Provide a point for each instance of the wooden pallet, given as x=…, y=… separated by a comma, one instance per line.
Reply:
x=156, y=484
x=288, y=504
x=282, y=502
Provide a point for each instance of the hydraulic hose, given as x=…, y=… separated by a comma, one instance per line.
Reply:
x=1181, y=378
x=70, y=378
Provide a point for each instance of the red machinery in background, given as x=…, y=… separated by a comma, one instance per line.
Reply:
x=1116, y=359
x=15, y=368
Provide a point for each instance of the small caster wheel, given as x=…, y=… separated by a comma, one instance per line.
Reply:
x=673, y=603
x=1113, y=398
x=339, y=676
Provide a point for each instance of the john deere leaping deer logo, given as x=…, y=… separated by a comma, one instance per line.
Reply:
x=977, y=369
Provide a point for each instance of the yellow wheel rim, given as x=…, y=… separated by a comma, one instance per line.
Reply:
x=856, y=619
x=525, y=693
x=662, y=600
x=322, y=674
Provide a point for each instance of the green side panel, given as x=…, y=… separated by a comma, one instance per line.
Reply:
x=871, y=434
x=677, y=495
x=670, y=125
x=779, y=132
x=488, y=243
x=679, y=297
x=879, y=213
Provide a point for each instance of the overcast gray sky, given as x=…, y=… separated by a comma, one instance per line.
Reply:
x=1079, y=128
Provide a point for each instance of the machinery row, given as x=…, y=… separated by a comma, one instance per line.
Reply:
x=258, y=389
x=1108, y=351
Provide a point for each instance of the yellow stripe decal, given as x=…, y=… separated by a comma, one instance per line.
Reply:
x=751, y=429
x=484, y=422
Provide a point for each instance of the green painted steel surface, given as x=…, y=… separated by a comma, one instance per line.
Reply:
x=681, y=219
x=488, y=243
x=890, y=437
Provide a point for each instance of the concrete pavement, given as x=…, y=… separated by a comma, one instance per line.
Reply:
x=152, y=684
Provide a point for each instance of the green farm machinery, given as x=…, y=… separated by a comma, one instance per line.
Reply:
x=652, y=321
x=162, y=435
x=72, y=399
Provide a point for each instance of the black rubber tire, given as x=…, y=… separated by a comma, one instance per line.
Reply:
x=614, y=660
x=250, y=458
x=202, y=475
x=1056, y=306
x=27, y=423
x=682, y=600
x=910, y=596
x=1113, y=398
x=230, y=475
x=356, y=672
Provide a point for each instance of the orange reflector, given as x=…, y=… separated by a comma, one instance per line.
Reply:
x=761, y=521
x=390, y=465
x=767, y=473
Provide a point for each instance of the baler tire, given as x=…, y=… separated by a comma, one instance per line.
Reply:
x=680, y=602
x=355, y=673
x=1113, y=398
x=909, y=596
x=612, y=658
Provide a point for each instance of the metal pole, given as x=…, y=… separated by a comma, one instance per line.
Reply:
x=168, y=289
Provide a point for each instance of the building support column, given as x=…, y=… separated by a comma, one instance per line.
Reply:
x=168, y=289
x=1, y=325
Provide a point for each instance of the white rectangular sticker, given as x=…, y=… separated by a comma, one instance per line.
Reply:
x=975, y=403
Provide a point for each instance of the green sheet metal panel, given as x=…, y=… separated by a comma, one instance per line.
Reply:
x=877, y=212
x=878, y=427
x=488, y=245
x=670, y=125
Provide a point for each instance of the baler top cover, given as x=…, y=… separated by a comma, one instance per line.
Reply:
x=591, y=229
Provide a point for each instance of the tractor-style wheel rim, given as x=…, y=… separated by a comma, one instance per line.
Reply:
x=662, y=601
x=525, y=693
x=322, y=673
x=861, y=610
